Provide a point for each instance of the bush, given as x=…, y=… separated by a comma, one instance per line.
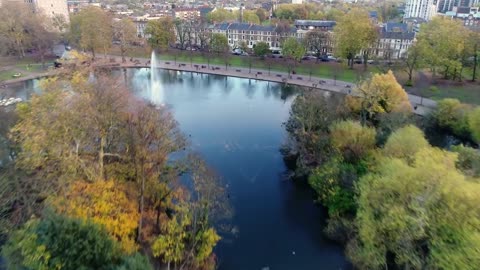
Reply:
x=352, y=139
x=451, y=114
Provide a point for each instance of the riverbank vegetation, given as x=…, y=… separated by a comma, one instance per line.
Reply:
x=88, y=166
x=393, y=199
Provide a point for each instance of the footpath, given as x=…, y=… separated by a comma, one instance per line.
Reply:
x=422, y=106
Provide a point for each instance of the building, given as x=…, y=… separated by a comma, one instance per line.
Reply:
x=314, y=24
x=188, y=14
x=297, y=1
x=394, y=41
x=424, y=9
x=470, y=16
x=51, y=8
x=444, y=6
x=251, y=34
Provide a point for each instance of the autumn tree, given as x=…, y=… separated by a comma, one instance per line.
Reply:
x=250, y=16
x=317, y=41
x=262, y=14
x=355, y=33
x=125, y=33
x=162, y=33
x=380, y=94
x=91, y=29
x=351, y=139
x=106, y=203
x=293, y=51
x=419, y=215
x=474, y=124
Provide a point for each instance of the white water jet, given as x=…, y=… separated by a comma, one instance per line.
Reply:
x=156, y=91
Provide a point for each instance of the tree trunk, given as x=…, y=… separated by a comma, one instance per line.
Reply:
x=142, y=194
x=122, y=51
x=475, y=55
x=101, y=156
x=365, y=60
x=93, y=54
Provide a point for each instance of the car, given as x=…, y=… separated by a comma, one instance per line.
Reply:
x=331, y=58
x=68, y=48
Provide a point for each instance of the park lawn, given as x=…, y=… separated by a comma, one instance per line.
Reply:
x=37, y=67
x=7, y=75
x=466, y=94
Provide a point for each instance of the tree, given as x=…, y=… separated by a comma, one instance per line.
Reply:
x=58, y=242
x=318, y=41
x=220, y=15
x=91, y=29
x=105, y=203
x=413, y=61
x=250, y=17
x=453, y=115
x=293, y=51
x=162, y=33
x=468, y=160
x=125, y=32
x=42, y=37
x=405, y=142
x=261, y=14
x=352, y=140
x=418, y=216
x=380, y=94
x=12, y=29
x=261, y=49
x=474, y=124
x=219, y=43
x=443, y=42
x=354, y=33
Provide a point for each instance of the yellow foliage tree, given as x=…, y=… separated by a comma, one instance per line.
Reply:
x=105, y=203
x=405, y=142
x=352, y=139
x=380, y=94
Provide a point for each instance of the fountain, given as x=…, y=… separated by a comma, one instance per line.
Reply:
x=156, y=94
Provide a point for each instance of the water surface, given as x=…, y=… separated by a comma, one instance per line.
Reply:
x=236, y=125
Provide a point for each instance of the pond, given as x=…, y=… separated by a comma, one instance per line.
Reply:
x=236, y=125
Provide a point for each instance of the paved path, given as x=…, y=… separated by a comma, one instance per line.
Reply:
x=421, y=105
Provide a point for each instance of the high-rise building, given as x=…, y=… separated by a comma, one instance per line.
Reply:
x=424, y=9
x=51, y=8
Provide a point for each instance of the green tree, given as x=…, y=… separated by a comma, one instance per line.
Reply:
x=355, y=33
x=412, y=61
x=162, y=33
x=293, y=51
x=219, y=43
x=419, y=216
x=220, y=15
x=91, y=29
x=468, y=160
x=125, y=32
x=58, y=242
x=474, y=124
x=443, y=42
x=250, y=17
x=352, y=140
x=453, y=115
x=405, y=142
x=261, y=49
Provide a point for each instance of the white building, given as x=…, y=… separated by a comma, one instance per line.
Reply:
x=52, y=8
x=424, y=9
x=297, y=1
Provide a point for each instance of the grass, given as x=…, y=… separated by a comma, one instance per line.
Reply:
x=306, y=68
x=466, y=94
x=37, y=67
x=7, y=75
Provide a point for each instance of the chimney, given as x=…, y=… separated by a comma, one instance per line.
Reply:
x=241, y=13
